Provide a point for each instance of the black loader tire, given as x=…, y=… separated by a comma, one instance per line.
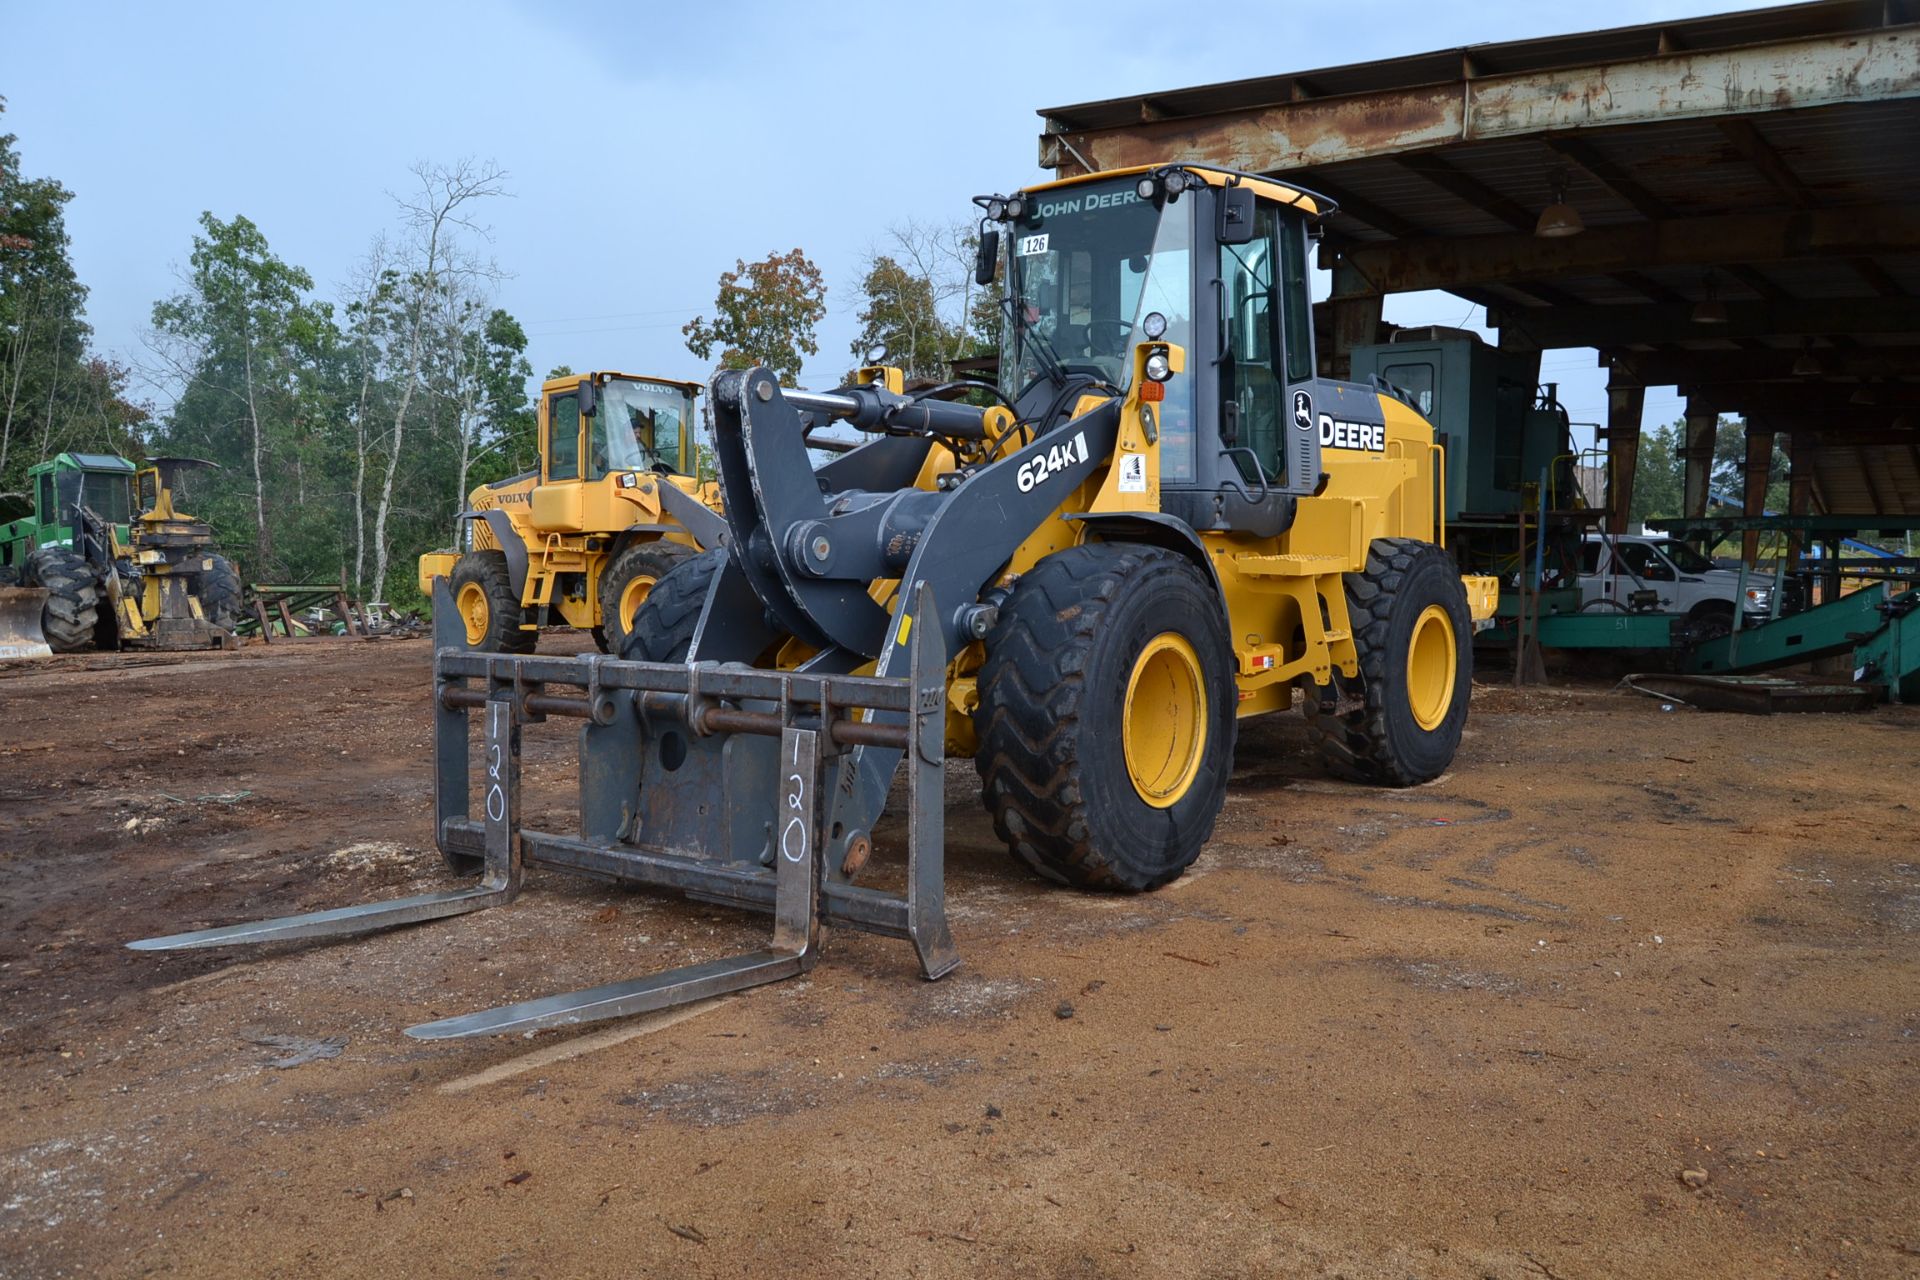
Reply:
x=9, y=576
x=489, y=607
x=220, y=593
x=72, y=611
x=1061, y=763
x=663, y=629
x=1381, y=741
x=641, y=563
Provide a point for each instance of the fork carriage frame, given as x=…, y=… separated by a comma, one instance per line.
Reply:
x=716, y=780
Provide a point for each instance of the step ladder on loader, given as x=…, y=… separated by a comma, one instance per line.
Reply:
x=712, y=779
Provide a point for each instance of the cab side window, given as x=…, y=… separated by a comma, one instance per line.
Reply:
x=1589, y=557
x=1250, y=391
x=1641, y=560
x=563, y=431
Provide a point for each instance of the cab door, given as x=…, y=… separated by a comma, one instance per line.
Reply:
x=557, y=498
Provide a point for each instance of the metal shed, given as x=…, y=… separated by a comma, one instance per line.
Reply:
x=1746, y=189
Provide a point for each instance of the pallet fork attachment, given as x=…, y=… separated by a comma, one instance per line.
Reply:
x=681, y=787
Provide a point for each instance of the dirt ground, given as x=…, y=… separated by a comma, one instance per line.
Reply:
x=1479, y=1029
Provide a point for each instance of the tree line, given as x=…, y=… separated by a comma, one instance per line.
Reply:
x=349, y=426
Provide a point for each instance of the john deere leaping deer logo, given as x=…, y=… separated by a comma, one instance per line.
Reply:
x=1303, y=411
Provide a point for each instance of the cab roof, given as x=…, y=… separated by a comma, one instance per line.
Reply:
x=601, y=375
x=1300, y=198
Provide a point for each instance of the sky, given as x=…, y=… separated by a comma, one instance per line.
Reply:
x=648, y=146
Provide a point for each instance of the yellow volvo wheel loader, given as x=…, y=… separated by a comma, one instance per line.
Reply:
x=580, y=540
x=1164, y=523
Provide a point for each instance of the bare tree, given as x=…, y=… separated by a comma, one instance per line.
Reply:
x=363, y=306
x=435, y=215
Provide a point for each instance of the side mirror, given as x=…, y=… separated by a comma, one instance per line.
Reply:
x=987, y=258
x=589, y=398
x=1235, y=223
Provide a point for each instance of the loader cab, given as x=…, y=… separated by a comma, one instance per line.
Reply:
x=1215, y=263
x=608, y=427
x=100, y=482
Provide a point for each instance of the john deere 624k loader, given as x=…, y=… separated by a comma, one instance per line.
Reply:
x=1164, y=523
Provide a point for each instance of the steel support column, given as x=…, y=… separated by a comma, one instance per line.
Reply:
x=1697, y=451
x=1759, y=463
x=1623, y=451
x=1356, y=314
x=1800, y=454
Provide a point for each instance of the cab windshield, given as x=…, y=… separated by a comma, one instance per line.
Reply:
x=1085, y=265
x=638, y=426
x=108, y=494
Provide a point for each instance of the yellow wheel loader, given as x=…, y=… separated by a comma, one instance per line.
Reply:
x=580, y=540
x=1162, y=524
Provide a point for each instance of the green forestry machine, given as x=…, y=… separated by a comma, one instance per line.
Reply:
x=120, y=566
x=1163, y=522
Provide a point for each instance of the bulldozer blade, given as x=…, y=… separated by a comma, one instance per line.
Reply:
x=337, y=922
x=20, y=633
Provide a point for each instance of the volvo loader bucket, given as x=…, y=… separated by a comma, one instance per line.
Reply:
x=20, y=633
x=711, y=779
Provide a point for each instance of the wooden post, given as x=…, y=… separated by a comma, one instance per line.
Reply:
x=260, y=615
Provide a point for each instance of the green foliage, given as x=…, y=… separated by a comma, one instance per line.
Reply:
x=265, y=370
x=765, y=314
x=900, y=315
x=55, y=394
x=1659, y=485
x=921, y=302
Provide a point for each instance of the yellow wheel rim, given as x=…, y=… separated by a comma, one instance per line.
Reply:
x=632, y=596
x=475, y=613
x=1165, y=729
x=1433, y=660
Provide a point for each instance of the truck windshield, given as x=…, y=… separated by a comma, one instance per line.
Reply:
x=1684, y=557
x=1085, y=265
x=638, y=426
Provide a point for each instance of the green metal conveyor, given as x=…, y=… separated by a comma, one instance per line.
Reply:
x=1880, y=630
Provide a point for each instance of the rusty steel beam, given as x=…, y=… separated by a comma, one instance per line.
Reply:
x=1784, y=75
x=1780, y=397
x=1655, y=323
x=1609, y=175
x=1877, y=277
x=1404, y=266
x=1760, y=154
x=1470, y=190
x=1671, y=368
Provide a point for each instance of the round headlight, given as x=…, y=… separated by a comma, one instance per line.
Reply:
x=1147, y=188
x=1016, y=209
x=996, y=209
x=1153, y=324
x=1177, y=181
x=1159, y=368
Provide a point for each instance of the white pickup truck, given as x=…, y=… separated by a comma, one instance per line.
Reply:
x=1617, y=568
